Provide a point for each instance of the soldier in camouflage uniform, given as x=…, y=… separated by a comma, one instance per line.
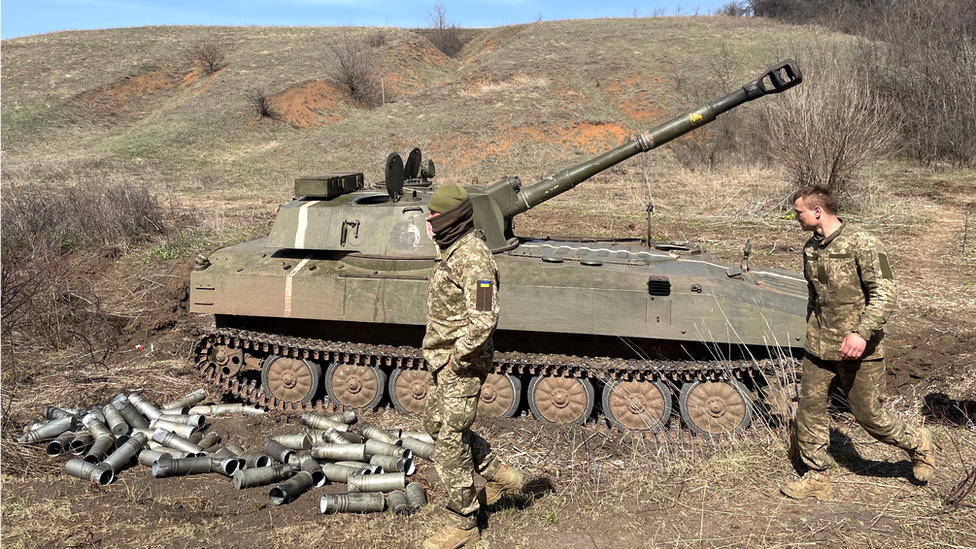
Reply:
x=851, y=294
x=462, y=312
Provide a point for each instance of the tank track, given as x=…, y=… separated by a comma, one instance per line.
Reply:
x=601, y=369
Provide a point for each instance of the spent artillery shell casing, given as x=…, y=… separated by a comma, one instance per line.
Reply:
x=277, y=450
x=99, y=474
x=56, y=412
x=185, y=401
x=370, y=432
x=313, y=468
x=99, y=449
x=225, y=409
x=259, y=476
x=197, y=420
x=255, y=458
x=364, y=502
x=117, y=459
x=145, y=407
x=341, y=473
x=115, y=420
x=419, y=435
x=377, y=483
x=339, y=452
x=148, y=457
x=49, y=430
x=416, y=496
x=132, y=416
x=291, y=488
x=182, y=466
x=419, y=447
x=81, y=442
x=397, y=502
x=172, y=440
x=319, y=421
x=392, y=464
x=59, y=445
x=295, y=441
x=182, y=429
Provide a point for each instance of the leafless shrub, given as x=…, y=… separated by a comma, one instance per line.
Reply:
x=376, y=40
x=261, y=101
x=209, y=56
x=722, y=140
x=928, y=70
x=43, y=301
x=352, y=63
x=735, y=8
x=829, y=128
x=923, y=64
x=445, y=35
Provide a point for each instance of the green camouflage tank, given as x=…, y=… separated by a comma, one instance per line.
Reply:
x=328, y=311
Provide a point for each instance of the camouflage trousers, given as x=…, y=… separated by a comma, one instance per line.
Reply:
x=863, y=382
x=458, y=451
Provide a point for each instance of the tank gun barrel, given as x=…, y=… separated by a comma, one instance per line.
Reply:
x=514, y=199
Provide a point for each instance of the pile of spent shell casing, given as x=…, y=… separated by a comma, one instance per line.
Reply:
x=173, y=440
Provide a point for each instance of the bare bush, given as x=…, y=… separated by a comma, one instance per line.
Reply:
x=725, y=138
x=924, y=64
x=352, y=63
x=209, y=56
x=445, y=34
x=43, y=302
x=735, y=8
x=928, y=70
x=829, y=128
x=376, y=40
x=262, y=103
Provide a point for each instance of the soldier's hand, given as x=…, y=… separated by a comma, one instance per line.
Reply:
x=852, y=347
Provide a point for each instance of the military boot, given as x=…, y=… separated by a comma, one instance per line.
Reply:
x=814, y=484
x=451, y=537
x=506, y=478
x=923, y=457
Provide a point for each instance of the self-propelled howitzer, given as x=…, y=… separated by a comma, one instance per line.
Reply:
x=329, y=309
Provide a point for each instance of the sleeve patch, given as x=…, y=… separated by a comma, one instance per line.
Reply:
x=885, y=267
x=484, y=295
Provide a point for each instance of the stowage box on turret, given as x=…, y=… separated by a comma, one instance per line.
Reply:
x=328, y=311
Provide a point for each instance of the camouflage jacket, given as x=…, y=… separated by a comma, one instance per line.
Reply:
x=462, y=310
x=851, y=290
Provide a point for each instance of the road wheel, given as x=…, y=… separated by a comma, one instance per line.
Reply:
x=291, y=379
x=715, y=407
x=500, y=395
x=561, y=399
x=408, y=390
x=637, y=405
x=355, y=386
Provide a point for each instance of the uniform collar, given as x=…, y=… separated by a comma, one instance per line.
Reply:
x=825, y=241
x=443, y=255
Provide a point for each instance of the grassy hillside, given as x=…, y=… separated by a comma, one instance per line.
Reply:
x=522, y=100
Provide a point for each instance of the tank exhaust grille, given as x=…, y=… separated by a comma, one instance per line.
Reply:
x=658, y=286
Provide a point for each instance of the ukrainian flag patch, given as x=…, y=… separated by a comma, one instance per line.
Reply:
x=484, y=295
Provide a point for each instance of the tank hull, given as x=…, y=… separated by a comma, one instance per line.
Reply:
x=612, y=311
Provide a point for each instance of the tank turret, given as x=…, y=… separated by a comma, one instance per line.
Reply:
x=334, y=213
